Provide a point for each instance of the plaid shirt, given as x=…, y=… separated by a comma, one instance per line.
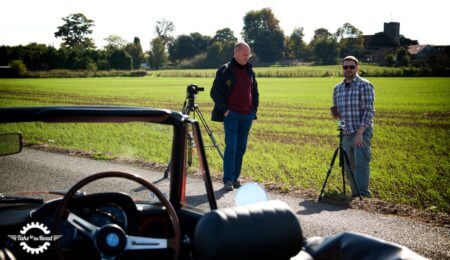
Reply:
x=355, y=103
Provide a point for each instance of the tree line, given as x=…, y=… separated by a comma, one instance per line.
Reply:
x=261, y=30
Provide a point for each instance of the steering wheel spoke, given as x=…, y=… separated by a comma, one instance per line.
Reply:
x=111, y=240
x=82, y=225
x=142, y=243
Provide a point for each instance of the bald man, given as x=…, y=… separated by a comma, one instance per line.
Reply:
x=235, y=95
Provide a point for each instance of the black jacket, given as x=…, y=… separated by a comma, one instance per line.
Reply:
x=223, y=86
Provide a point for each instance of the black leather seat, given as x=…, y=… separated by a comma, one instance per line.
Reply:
x=267, y=230
x=351, y=245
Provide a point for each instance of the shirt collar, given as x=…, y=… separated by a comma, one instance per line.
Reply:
x=355, y=79
x=236, y=64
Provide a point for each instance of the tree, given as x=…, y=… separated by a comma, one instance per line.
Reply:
x=390, y=60
x=135, y=50
x=39, y=57
x=182, y=47
x=75, y=30
x=382, y=39
x=119, y=59
x=295, y=46
x=115, y=42
x=78, y=58
x=347, y=31
x=157, y=55
x=325, y=47
x=224, y=35
x=405, y=42
x=403, y=58
x=320, y=34
x=201, y=42
x=219, y=52
x=164, y=29
x=326, y=51
x=263, y=33
x=351, y=41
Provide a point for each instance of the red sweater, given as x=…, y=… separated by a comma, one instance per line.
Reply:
x=240, y=99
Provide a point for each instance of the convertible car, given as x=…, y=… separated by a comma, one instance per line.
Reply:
x=53, y=208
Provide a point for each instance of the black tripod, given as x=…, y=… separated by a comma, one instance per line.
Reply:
x=188, y=107
x=343, y=158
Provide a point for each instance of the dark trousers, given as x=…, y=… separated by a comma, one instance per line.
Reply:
x=237, y=127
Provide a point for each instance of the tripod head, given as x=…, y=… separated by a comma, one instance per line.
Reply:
x=341, y=128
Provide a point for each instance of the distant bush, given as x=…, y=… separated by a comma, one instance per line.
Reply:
x=18, y=68
x=198, y=61
x=138, y=73
x=85, y=73
x=306, y=71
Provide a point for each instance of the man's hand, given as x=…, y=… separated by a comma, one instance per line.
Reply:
x=335, y=112
x=226, y=113
x=359, y=141
x=334, y=116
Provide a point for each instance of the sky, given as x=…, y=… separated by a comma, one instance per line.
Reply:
x=26, y=21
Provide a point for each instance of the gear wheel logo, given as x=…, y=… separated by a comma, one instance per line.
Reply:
x=27, y=228
x=34, y=238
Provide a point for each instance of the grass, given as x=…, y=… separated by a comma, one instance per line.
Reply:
x=292, y=141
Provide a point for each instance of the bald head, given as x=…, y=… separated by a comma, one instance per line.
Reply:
x=242, y=52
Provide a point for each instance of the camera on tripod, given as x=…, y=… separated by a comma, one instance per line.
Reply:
x=193, y=90
x=190, y=107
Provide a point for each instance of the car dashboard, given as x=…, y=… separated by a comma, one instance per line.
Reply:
x=134, y=217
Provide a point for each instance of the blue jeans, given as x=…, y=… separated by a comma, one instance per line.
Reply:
x=359, y=161
x=237, y=126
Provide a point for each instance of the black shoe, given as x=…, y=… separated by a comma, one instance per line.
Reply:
x=228, y=186
x=236, y=184
x=365, y=196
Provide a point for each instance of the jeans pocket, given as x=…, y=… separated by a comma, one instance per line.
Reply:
x=227, y=116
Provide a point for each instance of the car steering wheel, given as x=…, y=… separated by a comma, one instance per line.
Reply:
x=111, y=240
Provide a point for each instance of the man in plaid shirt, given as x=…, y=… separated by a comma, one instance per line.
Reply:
x=353, y=98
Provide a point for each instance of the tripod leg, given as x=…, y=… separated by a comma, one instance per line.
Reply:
x=347, y=162
x=166, y=171
x=341, y=163
x=328, y=174
x=190, y=146
x=208, y=130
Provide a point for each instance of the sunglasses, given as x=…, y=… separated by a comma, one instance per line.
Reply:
x=352, y=67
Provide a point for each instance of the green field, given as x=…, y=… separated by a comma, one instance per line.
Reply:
x=292, y=141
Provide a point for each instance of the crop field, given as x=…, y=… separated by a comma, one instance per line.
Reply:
x=291, y=142
x=293, y=71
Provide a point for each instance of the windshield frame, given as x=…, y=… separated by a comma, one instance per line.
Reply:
x=121, y=114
